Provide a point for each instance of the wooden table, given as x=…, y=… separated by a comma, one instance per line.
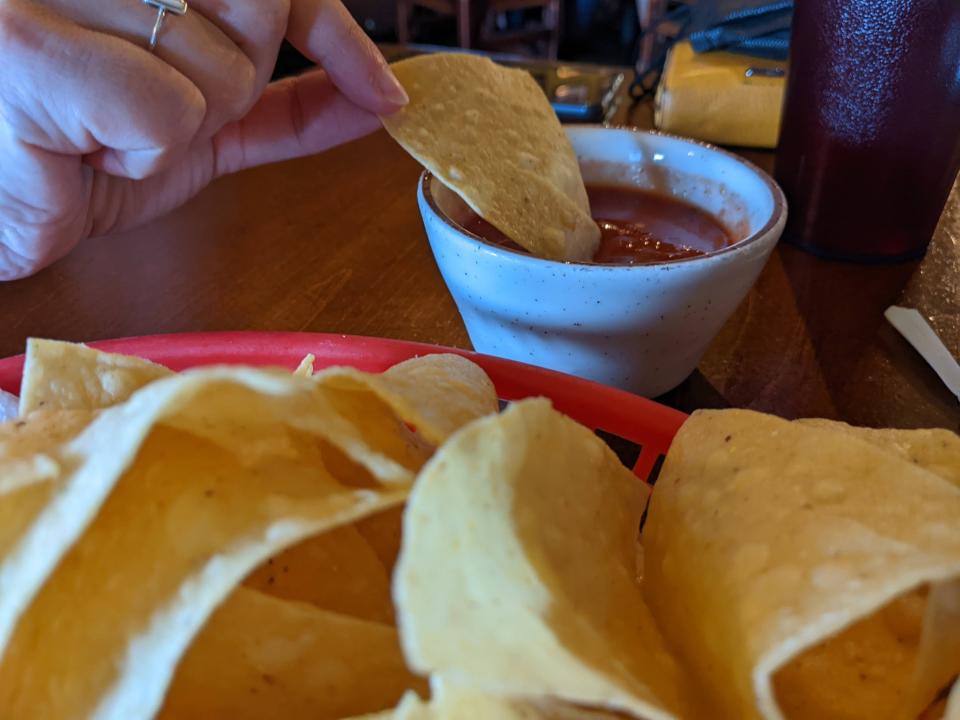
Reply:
x=334, y=243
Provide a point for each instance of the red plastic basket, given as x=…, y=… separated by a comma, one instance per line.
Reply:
x=640, y=430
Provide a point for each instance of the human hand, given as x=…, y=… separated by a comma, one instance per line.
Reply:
x=98, y=134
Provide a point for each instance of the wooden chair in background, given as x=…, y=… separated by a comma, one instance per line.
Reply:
x=649, y=13
x=463, y=10
x=477, y=26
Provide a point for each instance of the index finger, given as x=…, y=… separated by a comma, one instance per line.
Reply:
x=324, y=31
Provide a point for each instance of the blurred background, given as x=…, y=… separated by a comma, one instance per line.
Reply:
x=709, y=69
x=597, y=31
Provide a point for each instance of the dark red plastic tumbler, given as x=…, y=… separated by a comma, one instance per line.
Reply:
x=870, y=143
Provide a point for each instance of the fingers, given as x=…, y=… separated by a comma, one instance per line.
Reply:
x=69, y=91
x=257, y=27
x=297, y=116
x=73, y=91
x=325, y=32
x=228, y=51
x=192, y=44
x=42, y=214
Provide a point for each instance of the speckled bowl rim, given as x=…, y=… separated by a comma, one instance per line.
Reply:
x=777, y=213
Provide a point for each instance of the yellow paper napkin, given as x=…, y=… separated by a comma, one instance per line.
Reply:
x=712, y=97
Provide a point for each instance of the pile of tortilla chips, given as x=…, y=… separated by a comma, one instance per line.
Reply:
x=232, y=542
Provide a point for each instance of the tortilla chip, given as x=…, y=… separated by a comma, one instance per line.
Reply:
x=517, y=573
x=938, y=657
x=354, y=421
x=72, y=481
x=489, y=133
x=865, y=656
x=262, y=657
x=68, y=376
x=193, y=513
x=26, y=472
x=437, y=394
x=40, y=431
x=26, y=466
x=450, y=702
x=410, y=707
x=305, y=368
x=39, y=517
x=936, y=449
x=336, y=571
x=384, y=533
x=785, y=562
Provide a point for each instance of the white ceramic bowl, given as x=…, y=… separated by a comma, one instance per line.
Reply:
x=642, y=328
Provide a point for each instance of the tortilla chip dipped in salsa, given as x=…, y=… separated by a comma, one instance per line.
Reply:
x=489, y=133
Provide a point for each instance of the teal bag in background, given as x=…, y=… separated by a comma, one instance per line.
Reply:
x=759, y=28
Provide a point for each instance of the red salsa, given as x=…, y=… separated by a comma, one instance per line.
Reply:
x=637, y=227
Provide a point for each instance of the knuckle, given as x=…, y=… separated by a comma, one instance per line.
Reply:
x=174, y=118
x=191, y=117
x=242, y=87
x=144, y=165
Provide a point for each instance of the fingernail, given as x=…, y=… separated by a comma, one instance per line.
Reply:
x=392, y=89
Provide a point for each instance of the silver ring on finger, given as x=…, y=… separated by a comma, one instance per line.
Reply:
x=177, y=7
